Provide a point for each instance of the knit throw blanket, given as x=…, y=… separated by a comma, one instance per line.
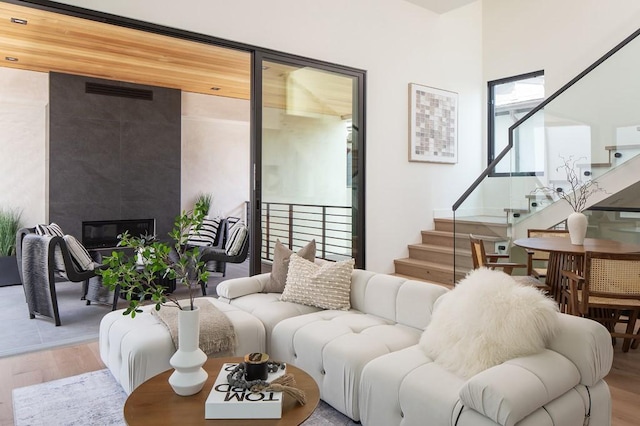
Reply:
x=35, y=274
x=217, y=336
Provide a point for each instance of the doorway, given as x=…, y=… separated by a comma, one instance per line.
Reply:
x=309, y=158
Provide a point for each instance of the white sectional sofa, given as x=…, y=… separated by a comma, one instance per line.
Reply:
x=368, y=364
x=561, y=386
x=136, y=349
x=387, y=314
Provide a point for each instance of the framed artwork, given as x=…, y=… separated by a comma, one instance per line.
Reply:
x=433, y=132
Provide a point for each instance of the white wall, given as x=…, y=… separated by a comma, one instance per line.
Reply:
x=397, y=43
x=215, y=152
x=24, y=101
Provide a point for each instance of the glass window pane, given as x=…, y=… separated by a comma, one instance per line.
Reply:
x=510, y=100
x=309, y=159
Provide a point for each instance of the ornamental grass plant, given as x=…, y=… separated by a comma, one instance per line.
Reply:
x=9, y=225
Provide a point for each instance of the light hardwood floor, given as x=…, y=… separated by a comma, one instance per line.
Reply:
x=38, y=367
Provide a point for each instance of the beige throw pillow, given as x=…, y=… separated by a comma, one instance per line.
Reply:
x=327, y=286
x=281, y=255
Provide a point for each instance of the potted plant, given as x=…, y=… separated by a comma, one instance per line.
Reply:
x=142, y=272
x=9, y=225
x=576, y=196
x=203, y=203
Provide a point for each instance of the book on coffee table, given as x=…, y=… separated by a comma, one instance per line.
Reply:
x=226, y=402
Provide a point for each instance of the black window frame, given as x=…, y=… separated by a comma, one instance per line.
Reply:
x=491, y=113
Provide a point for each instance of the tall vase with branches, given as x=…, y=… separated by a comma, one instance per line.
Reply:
x=142, y=272
x=576, y=196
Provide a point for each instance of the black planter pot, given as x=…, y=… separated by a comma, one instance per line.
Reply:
x=9, y=271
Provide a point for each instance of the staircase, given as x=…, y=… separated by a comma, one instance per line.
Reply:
x=432, y=260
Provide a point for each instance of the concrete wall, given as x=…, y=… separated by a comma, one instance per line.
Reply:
x=24, y=103
x=112, y=157
x=215, y=152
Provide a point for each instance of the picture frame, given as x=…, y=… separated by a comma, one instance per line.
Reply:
x=433, y=124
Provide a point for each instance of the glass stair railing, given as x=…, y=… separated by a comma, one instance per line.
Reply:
x=592, y=123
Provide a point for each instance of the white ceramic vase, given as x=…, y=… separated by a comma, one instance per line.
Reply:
x=189, y=376
x=577, y=225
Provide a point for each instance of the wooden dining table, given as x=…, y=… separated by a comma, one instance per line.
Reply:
x=570, y=257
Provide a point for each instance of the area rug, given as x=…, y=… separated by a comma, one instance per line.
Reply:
x=80, y=323
x=97, y=399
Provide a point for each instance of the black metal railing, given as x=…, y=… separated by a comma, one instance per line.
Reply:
x=297, y=224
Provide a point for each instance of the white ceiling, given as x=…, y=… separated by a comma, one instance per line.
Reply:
x=441, y=6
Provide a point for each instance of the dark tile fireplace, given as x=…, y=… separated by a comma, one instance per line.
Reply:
x=102, y=234
x=114, y=153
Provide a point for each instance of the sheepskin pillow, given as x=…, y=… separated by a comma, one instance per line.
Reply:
x=488, y=318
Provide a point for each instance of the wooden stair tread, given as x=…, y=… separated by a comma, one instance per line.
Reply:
x=445, y=233
x=619, y=147
x=432, y=265
x=409, y=277
x=495, y=221
x=441, y=249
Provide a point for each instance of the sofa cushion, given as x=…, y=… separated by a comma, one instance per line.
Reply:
x=270, y=310
x=540, y=379
x=280, y=266
x=327, y=286
x=136, y=349
x=334, y=346
x=487, y=319
x=397, y=299
x=415, y=391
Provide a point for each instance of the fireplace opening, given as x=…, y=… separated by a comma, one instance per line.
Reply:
x=102, y=234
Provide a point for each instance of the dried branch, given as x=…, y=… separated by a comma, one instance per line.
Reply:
x=579, y=191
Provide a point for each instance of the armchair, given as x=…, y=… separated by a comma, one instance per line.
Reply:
x=235, y=250
x=45, y=259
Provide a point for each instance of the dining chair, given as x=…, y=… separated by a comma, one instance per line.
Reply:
x=481, y=259
x=537, y=260
x=609, y=292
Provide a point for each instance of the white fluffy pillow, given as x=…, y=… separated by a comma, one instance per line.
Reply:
x=488, y=318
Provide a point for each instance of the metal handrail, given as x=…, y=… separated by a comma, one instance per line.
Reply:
x=540, y=106
x=293, y=223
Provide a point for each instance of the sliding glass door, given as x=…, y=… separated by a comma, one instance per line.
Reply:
x=309, y=159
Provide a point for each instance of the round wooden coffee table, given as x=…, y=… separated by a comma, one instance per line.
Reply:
x=155, y=403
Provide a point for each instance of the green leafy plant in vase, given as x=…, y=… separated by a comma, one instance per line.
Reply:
x=143, y=265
